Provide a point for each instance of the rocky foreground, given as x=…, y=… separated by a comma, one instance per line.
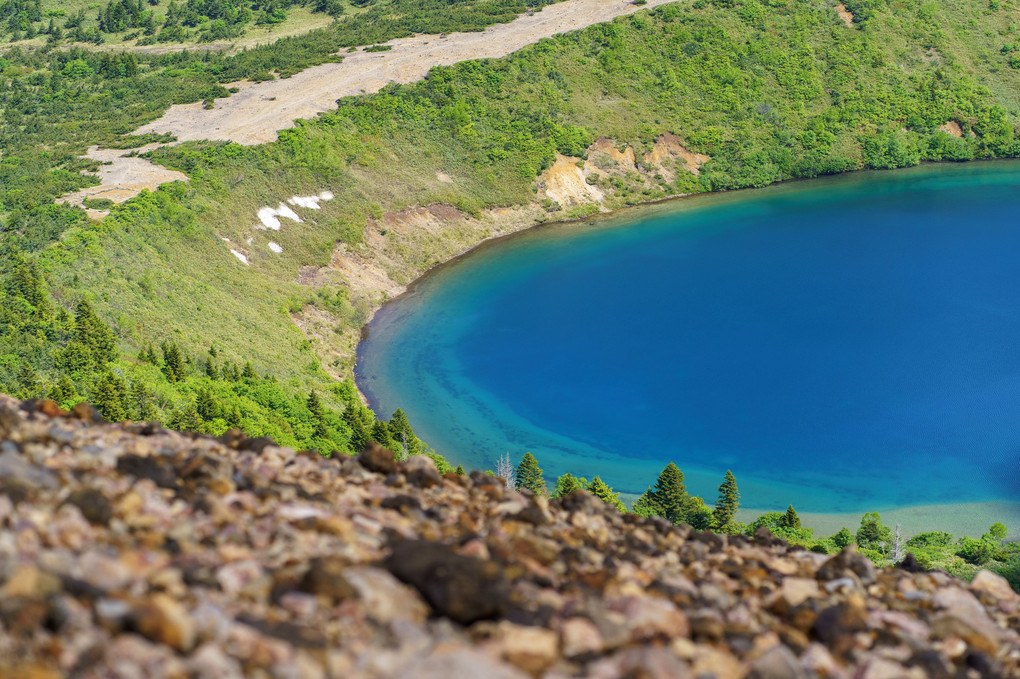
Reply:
x=130, y=551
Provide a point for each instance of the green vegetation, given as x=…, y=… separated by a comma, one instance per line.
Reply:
x=726, y=506
x=47, y=353
x=528, y=475
x=567, y=484
x=885, y=546
x=599, y=489
x=768, y=95
x=131, y=23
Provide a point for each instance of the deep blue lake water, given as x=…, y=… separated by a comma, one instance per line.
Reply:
x=843, y=344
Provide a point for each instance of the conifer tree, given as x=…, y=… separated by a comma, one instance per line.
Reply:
x=186, y=419
x=173, y=365
x=94, y=335
x=211, y=371
x=248, y=373
x=108, y=397
x=142, y=408
x=76, y=359
x=403, y=435
x=567, y=484
x=599, y=489
x=670, y=494
x=234, y=419
x=91, y=345
x=359, y=419
x=529, y=475
x=28, y=380
x=25, y=281
x=206, y=405
x=318, y=414
x=56, y=394
x=68, y=392
x=646, y=505
x=460, y=470
x=381, y=435
x=728, y=502
x=790, y=518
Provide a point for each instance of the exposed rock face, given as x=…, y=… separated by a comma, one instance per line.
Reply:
x=130, y=551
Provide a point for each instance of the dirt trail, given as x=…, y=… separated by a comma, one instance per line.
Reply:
x=255, y=113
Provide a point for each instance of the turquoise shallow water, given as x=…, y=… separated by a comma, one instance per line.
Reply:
x=843, y=344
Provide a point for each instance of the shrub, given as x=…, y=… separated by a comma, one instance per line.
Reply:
x=931, y=539
x=977, y=552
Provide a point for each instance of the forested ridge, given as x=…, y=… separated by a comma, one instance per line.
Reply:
x=131, y=23
x=104, y=311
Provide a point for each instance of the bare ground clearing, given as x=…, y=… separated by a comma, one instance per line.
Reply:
x=123, y=178
x=259, y=110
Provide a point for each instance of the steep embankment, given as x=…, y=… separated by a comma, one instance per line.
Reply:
x=133, y=551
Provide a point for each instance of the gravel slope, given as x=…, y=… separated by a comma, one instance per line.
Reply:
x=129, y=551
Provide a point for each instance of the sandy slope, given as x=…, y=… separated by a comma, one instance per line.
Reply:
x=253, y=115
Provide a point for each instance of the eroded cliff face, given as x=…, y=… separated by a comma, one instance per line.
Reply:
x=401, y=245
x=131, y=551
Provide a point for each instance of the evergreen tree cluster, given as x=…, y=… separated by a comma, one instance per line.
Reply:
x=668, y=499
x=73, y=357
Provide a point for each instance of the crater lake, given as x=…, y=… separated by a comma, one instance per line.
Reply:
x=842, y=344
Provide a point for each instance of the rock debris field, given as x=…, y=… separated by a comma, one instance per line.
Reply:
x=130, y=551
x=255, y=113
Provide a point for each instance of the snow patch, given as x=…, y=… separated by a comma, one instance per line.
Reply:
x=268, y=216
x=244, y=260
x=225, y=240
x=310, y=202
x=275, y=247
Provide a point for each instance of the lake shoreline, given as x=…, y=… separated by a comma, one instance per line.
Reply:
x=618, y=213
x=529, y=225
x=972, y=518
x=964, y=518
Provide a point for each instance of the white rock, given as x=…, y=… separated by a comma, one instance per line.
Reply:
x=275, y=247
x=244, y=260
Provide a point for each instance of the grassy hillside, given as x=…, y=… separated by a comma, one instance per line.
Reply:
x=766, y=91
x=157, y=26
